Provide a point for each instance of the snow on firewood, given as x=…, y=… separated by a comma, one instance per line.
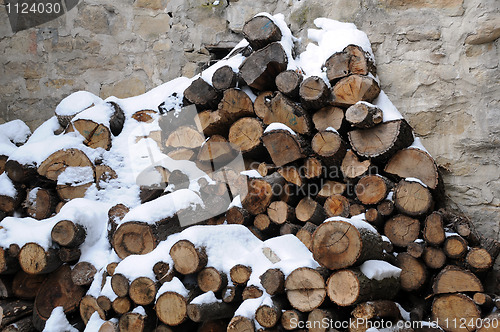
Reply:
x=16, y=131
x=77, y=102
x=279, y=126
x=58, y=322
x=6, y=186
x=378, y=270
x=390, y=112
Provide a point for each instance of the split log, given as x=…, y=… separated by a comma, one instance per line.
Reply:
x=25, y=286
x=142, y=291
x=40, y=203
x=88, y=305
x=352, y=60
x=83, y=273
x=182, y=154
x=272, y=108
x=202, y=94
x=314, y=93
x=68, y=234
x=381, y=141
x=34, y=259
x=268, y=315
x=292, y=175
x=96, y=135
x=184, y=137
x=261, y=191
x=57, y=163
x=349, y=90
x=57, y=290
x=305, y=234
x=279, y=212
x=479, y=260
x=210, y=279
x=288, y=83
x=330, y=147
x=433, y=231
x=134, y=322
x=211, y=123
x=187, y=258
x=224, y=78
x=273, y=281
x=328, y=116
x=121, y=305
x=434, y=258
x=372, y=189
x=246, y=133
x=235, y=104
x=240, y=274
x=338, y=244
x=412, y=198
x=308, y=210
x=251, y=292
x=351, y=286
x=455, y=312
x=402, y=230
x=13, y=310
x=413, y=272
x=414, y=163
x=377, y=308
x=364, y=115
x=330, y=188
x=260, y=69
x=146, y=116
x=453, y=279
x=352, y=167
x=291, y=318
x=337, y=205
x=261, y=31
x=305, y=288
x=203, y=312
x=455, y=247
x=337, y=66
x=313, y=168
x=238, y=216
x=216, y=150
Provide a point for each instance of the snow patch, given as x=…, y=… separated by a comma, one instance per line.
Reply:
x=279, y=126
x=77, y=102
x=7, y=186
x=58, y=322
x=390, y=112
x=379, y=270
x=416, y=180
x=205, y=298
x=76, y=176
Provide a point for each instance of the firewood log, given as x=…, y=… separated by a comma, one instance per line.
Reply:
x=135, y=322
x=57, y=163
x=57, y=290
x=121, y=305
x=210, y=279
x=402, y=230
x=330, y=147
x=364, y=115
x=246, y=134
x=188, y=258
x=120, y=284
x=385, y=208
x=12, y=310
x=413, y=272
x=320, y=320
x=142, y=291
x=261, y=191
x=265, y=225
x=266, y=169
x=292, y=175
x=414, y=163
x=25, y=286
x=163, y=272
x=490, y=323
x=216, y=150
x=204, y=312
x=88, y=305
x=22, y=325
x=219, y=325
x=182, y=154
x=352, y=167
x=235, y=104
x=224, y=78
x=328, y=116
x=241, y=324
x=40, y=203
x=483, y=300
x=260, y=69
x=291, y=318
x=271, y=108
x=352, y=60
x=261, y=31
x=269, y=315
x=238, y=216
x=18, y=172
x=453, y=279
x=184, y=137
x=240, y=274
x=450, y=308
x=313, y=168
x=416, y=249
x=455, y=246
x=372, y=189
x=349, y=90
x=9, y=202
x=83, y=273
x=305, y=234
x=251, y=292
x=433, y=231
x=479, y=259
x=308, y=210
x=305, y=288
x=373, y=217
x=34, y=259
x=202, y=94
x=171, y=307
x=279, y=212
x=144, y=116
x=314, y=93
x=68, y=234
x=330, y=188
x=288, y=83
x=289, y=228
x=412, y=198
x=105, y=303
x=232, y=294
x=273, y=281
x=381, y=141
x=8, y=264
x=337, y=205
x=3, y=160
x=351, y=286
x=434, y=258
x=377, y=308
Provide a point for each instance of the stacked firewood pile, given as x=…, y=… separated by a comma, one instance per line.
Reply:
x=336, y=214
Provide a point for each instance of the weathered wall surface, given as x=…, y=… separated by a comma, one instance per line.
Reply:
x=438, y=61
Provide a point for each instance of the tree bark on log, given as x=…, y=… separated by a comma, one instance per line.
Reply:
x=261, y=31
x=364, y=115
x=40, y=203
x=314, y=93
x=202, y=94
x=288, y=83
x=210, y=311
x=224, y=78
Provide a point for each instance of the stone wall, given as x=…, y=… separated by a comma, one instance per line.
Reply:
x=438, y=61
